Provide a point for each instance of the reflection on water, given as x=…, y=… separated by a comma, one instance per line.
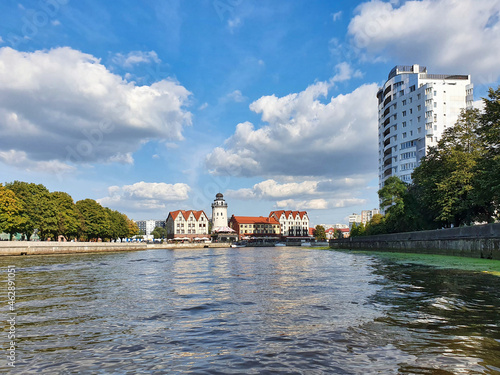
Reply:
x=252, y=311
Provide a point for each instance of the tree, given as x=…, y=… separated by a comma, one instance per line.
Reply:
x=39, y=211
x=447, y=173
x=68, y=219
x=133, y=229
x=159, y=232
x=319, y=233
x=358, y=229
x=487, y=183
x=337, y=234
x=96, y=223
x=376, y=225
x=11, y=219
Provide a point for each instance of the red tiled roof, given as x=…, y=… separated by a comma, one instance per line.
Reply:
x=254, y=220
x=185, y=214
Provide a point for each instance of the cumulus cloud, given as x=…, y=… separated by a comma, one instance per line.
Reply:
x=304, y=136
x=318, y=204
x=460, y=37
x=144, y=196
x=336, y=16
x=236, y=96
x=271, y=189
x=63, y=106
x=345, y=72
x=135, y=58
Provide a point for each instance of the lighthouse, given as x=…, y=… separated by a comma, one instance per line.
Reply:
x=219, y=212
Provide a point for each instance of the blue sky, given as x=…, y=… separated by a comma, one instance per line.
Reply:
x=153, y=106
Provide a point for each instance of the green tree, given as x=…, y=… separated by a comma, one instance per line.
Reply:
x=11, y=218
x=447, y=173
x=133, y=229
x=159, y=232
x=487, y=183
x=376, y=225
x=96, y=223
x=357, y=229
x=39, y=210
x=319, y=233
x=68, y=218
x=337, y=234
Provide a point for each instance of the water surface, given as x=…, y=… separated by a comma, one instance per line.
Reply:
x=252, y=311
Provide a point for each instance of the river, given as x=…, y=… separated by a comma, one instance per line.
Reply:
x=251, y=311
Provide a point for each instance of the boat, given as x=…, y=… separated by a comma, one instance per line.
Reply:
x=279, y=244
x=239, y=244
x=305, y=244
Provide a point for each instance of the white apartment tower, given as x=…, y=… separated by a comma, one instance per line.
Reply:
x=219, y=212
x=414, y=109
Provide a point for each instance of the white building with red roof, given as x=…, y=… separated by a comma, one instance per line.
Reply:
x=187, y=225
x=255, y=227
x=292, y=223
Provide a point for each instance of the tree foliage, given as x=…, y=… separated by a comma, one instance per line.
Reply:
x=159, y=232
x=29, y=208
x=319, y=233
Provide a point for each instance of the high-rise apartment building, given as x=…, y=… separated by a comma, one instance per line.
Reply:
x=414, y=109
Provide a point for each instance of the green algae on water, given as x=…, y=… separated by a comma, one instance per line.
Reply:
x=439, y=261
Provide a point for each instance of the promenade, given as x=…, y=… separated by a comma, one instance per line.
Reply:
x=43, y=248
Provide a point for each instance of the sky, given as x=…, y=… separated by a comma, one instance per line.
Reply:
x=151, y=106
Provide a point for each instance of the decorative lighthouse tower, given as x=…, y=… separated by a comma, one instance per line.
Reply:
x=219, y=212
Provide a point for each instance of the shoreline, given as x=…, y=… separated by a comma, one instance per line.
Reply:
x=19, y=248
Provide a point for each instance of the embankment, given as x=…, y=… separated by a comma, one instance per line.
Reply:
x=44, y=248
x=480, y=241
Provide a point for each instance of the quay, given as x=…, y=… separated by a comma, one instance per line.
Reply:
x=478, y=241
x=48, y=247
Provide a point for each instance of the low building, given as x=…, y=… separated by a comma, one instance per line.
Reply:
x=252, y=227
x=292, y=223
x=330, y=232
x=147, y=226
x=187, y=225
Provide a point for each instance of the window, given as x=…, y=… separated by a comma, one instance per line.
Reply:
x=419, y=96
x=404, y=113
x=404, y=102
x=419, y=107
x=411, y=111
x=435, y=104
x=404, y=124
x=419, y=118
x=404, y=135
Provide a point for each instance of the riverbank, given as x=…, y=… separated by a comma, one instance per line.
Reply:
x=480, y=241
x=13, y=248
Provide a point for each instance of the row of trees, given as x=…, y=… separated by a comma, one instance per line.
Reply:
x=29, y=208
x=457, y=183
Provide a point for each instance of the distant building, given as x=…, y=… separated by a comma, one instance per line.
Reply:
x=335, y=226
x=292, y=223
x=251, y=226
x=367, y=215
x=414, y=109
x=188, y=225
x=219, y=212
x=330, y=232
x=354, y=219
x=147, y=226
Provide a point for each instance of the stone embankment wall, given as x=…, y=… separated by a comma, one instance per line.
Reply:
x=480, y=241
x=40, y=248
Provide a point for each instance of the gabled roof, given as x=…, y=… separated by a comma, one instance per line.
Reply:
x=288, y=213
x=185, y=214
x=254, y=220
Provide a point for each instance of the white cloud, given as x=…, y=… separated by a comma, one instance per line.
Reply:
x=64, y=107
x=56, y=23
x=203, y=106
x=271, y=189
x=233, y=24
x=144, y=196
x=236, y=96
x=19, y=159
x=337, y=16
x=318, y=204
x=135, y=58
x=1, y=40
x=345, y=72
x=451, y=36
x=304, y=136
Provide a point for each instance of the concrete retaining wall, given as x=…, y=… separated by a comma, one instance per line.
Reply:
x=40, y=248
x=481, y=241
